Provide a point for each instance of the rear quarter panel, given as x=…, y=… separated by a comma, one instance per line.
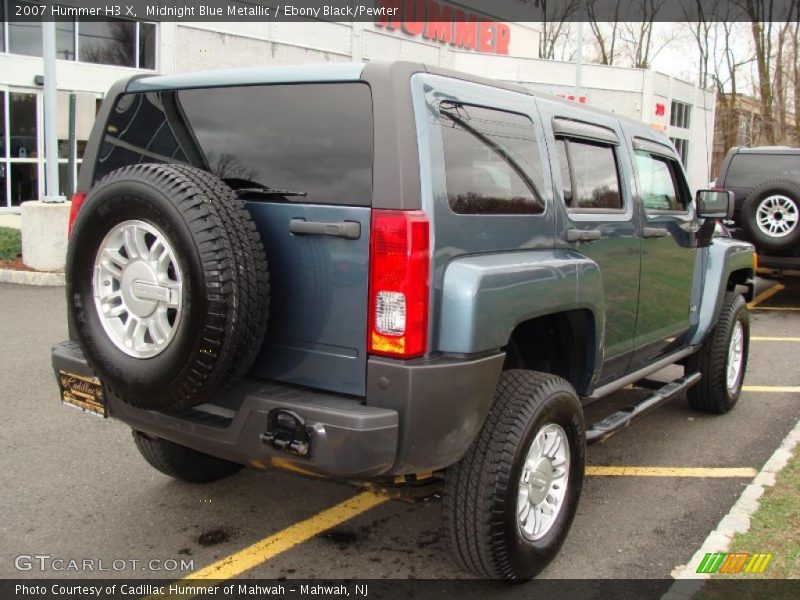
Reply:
x=455, y=236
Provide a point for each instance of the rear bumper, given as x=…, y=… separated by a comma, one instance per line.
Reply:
x=416, y=417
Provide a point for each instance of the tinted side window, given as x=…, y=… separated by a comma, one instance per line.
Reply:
x=595, y=177
x=750, y=170
x=492, y=163
x=662, y=188
x=314, y=140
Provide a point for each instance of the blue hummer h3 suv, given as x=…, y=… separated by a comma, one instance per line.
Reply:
x=396, y=275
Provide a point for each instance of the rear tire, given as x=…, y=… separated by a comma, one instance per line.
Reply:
x=720, y=387
x=492, y=497
x=182, y=463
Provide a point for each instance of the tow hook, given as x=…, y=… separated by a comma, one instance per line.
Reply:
x=286, y=431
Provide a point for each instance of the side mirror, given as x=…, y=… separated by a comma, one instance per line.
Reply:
x=714, y=204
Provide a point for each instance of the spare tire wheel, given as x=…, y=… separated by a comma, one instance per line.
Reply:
x=771, y=215
x=167, y=285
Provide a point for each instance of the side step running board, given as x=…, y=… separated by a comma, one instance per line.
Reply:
x=604, y=429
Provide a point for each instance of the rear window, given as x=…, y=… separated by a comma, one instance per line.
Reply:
x=313, y=141
x=750, y=170
x=491, y=160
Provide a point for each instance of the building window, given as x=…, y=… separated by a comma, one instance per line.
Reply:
x=680, y=114
x=21, y=157
x=491, y=161
x=682, y=146
x=111, y=42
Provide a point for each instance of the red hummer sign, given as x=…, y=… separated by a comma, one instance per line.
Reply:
x=445, y=24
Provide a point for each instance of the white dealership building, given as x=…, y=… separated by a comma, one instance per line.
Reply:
x=92, y=55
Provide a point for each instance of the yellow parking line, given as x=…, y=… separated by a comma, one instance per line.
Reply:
x=599, y=471
x=778, y=389
x=263, y=550
x=761, y=338
x=766, y=294
x=786, y=308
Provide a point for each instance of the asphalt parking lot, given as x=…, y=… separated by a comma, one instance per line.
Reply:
x=74, y=485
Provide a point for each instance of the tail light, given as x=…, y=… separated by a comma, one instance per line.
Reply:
x=77, y=202
x=398, y=283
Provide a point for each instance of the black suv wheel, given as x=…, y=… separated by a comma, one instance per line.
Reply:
x=182, y=463
x=722, y=360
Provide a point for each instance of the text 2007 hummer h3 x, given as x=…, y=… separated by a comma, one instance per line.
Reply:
x=395, y=275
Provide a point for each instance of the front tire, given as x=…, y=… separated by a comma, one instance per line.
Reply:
x=722, y=360
x=509, y=503
x=182, y=463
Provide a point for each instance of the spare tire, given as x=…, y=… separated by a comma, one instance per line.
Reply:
x=167, y=285
x=771, y=215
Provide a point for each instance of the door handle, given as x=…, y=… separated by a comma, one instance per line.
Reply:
x=349, y=230
x=583, y=235
x=654, y=232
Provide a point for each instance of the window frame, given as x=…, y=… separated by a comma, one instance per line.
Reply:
x=681, y=143
x=624, y=204
x=5, y=47
x=680, y=114
x=538, y=194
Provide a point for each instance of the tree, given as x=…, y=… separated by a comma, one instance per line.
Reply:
x=796, y=73
x=555, y=16
x=726, y=80
x=700, y=18
x=638, y=35
x=605, y=34
x=767, y=31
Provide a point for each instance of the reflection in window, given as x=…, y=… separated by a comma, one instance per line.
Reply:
x=657, y=177
x=314, y=139
x=108, y=42
x=492, y=163
x=26, y=38
x=24, y=182
x=22, y=120
x=2, y=126
x=147, y=46
x=594, y=175
x=563, y=165
x=3, y=178
x=85, y=111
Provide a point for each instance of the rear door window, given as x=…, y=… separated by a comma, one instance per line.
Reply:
x=589, y=175
x=311, y=141
x=492, y=163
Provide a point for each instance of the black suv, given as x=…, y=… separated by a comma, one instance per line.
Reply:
x=765, y=182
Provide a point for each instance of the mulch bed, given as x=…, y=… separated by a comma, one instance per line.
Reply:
x=15, y=265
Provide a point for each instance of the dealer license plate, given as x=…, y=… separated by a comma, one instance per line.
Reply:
x=81, y=392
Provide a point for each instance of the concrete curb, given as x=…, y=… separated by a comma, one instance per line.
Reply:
x=31, y=277
x=688, y=581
